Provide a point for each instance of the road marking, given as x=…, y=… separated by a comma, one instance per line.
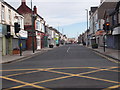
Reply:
x=110, y=59
x=109, y=88
x=59, y=78
x=57, y=68
x=49, y=68
x=21, y=73
x=70, y=75
x=68, y=49
x=21, y=69
x=18, y=81
x=99, y=79
x=114, y=70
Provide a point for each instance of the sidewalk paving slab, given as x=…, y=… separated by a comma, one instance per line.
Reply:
x=112, y=53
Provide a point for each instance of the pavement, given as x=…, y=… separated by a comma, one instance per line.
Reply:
x=67, y=67
x=112, y=53
x=25, y=55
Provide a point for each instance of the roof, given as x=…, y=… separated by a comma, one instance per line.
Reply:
x=10, y=6
x=26, y=10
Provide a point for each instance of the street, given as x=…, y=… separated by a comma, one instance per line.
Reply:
x=65, y=67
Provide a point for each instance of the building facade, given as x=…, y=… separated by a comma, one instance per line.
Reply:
x=35, y=25
x=9, y=16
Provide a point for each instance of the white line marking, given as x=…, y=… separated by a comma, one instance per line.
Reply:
x=68, y=49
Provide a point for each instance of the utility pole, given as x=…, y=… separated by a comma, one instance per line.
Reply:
x=33, y=48
x=87, y=26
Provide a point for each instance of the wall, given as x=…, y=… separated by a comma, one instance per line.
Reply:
x=27, y=19
x=0, y=12
x=7, y=46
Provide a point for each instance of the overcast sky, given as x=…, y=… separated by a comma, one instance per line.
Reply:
x=69, y=16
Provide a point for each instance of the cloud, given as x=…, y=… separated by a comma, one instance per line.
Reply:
x=64, y=13
x=61, y=13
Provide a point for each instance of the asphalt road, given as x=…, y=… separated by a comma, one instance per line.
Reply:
x=66, y=67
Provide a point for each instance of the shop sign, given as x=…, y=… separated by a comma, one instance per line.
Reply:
x=23, y=34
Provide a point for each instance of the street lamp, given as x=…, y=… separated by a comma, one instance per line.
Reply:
x=87, y=26
x=33, y=16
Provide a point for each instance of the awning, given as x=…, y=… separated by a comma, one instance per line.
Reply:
x=116, y=31
x=100, y=32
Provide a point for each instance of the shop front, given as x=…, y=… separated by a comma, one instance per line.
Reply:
x=116, y=34
x=0, y=42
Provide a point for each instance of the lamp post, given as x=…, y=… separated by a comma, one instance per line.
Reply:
x=33, y=34
x=87, y=27
x=104, y=42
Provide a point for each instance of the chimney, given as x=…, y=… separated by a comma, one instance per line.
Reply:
x=35, y=10
x=23, y=2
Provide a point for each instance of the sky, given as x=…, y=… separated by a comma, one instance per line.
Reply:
x=68, y=16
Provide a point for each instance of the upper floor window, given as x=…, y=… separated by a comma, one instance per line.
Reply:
x=3, y=13
x=37, y=25
x=9, y=15
x=119, y=16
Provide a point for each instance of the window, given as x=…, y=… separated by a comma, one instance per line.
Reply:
x=37, y=25
x=9, y=15
x=3, y=13
x=119, y=15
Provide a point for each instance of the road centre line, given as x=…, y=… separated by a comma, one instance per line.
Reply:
x=18, y=81
x=68, y=49
x=70, y=75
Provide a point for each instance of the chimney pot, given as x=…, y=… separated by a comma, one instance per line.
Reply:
x=23, y=2
x=35, y=9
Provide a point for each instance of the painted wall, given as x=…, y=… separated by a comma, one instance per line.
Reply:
x=11, y=16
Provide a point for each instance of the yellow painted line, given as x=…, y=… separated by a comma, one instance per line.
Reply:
x=112, y=87
x=18, y=81
x=20, y=69
x=49, y=68
x=21, y=73
x=61, y=72
x=52, y=79
x=70, y=75
x=113, y=70
x=99, y=79
x=53, y=68
x=79, y=75
x=90, y=72
x=74, y=68
x=110, y=59
x=59, y=78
